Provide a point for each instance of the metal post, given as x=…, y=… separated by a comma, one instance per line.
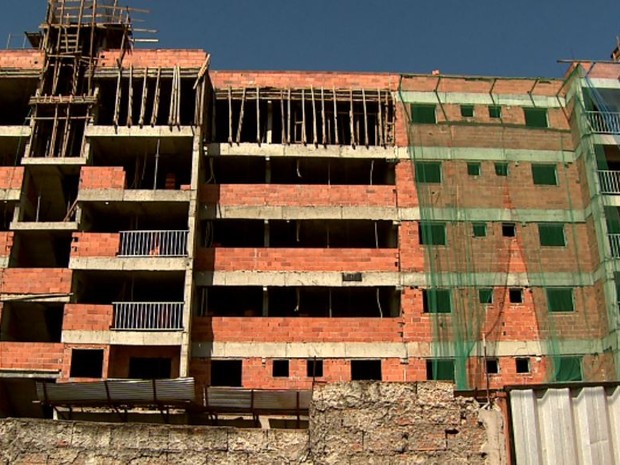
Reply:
x=156, y=165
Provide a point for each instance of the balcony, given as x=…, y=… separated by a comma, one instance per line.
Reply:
x=604, y=122
x=153, y=243
x=130, y=250
x=148, y=316
x=609, y=181
x=614, y=244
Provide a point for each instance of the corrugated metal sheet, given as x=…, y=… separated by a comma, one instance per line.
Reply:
x=161, y=390
x=566, y=426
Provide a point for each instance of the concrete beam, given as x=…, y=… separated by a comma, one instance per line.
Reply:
x=137, y=131
x=299, y=150
x=15, y=131
x=44, y=161
x=373, y=350
x=124, y=338
x=44, y=226
x=421, y=279
x=475, y=98
x=130, y=263
x=129, y=195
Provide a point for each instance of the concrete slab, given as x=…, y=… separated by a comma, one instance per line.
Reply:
x=137, y=131
x=124, y=338
x=44, y=226
x=130, y=195
x=130, y=263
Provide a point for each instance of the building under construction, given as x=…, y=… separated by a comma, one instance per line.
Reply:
x=272, y=230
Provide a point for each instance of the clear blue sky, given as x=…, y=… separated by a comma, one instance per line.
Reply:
x=488, y=37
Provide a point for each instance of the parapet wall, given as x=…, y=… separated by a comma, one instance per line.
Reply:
x=350, y=423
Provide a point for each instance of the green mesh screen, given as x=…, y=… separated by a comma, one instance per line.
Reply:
x=485, y=295
x=501, y=169
x=551, y=235
x=535, y=117
x=544, y=175
x=436, y=301
x=428, y=172
x=568, y=369
x=473, y=168
x=423, y=114
x=479, y=229
x=560, y=299
x=432, y=233
x=440, y=370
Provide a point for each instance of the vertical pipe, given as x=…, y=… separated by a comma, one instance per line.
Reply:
x=156, y=165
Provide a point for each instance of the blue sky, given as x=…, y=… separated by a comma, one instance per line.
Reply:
x=484, y=37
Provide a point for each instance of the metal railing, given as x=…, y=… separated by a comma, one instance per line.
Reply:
x=604, y=122
x=153, y=244
x=609, y=181
x=148, y=316
x=614, y=244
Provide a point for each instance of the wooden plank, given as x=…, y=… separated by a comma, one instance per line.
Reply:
x=155, y=113
x=324, y=134
x=303, y=117
x=240, y=126
x=336, y=118
x=179, y=97
x=380, y=118
x=145, y=93
x=283, y=139
x=351, y=119
x=365, y=118
x=288, y=113
x=315, y=140
x=117, y=102
x=230, y=118
x=258, y=141
x=130, y=100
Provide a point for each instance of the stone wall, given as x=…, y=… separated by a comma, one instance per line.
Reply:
x=350, y=423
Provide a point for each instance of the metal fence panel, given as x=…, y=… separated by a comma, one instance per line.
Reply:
x=153, y=243
x=567, y=426
x=148, y=316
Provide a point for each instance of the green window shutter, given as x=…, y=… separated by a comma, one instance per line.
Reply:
x=495, y=111
x=501, y=169
x=551, y=235
x=423, y=113
x=485, y=295
x=560, y=299
x=544, y=175
x=467, y=111
x=436, y=301
x=433, y=233
x=536, y=117
x=428, y=172
x=440, y=370
x=473, y=169
x=480, y=229
x=567, y=369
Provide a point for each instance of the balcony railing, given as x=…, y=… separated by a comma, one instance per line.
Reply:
x=148, y=316
x=614, y=244
x=604, y=122
x=153, y=244
x=609, y=181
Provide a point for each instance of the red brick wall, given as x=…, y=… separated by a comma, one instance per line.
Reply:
x=250, y=259
x=6, y=243
x=305, y=79
x=515, y=191
x=483, y=85
x=80, y=317
x=36, y=280
x=298, y=195
x=485, y=136
x=30, y=356
x=159, y=58
x=21, y=59
x=257, y=373
x=11, y=177
x=275, y=329
x=95, y=244
x=95, y=177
